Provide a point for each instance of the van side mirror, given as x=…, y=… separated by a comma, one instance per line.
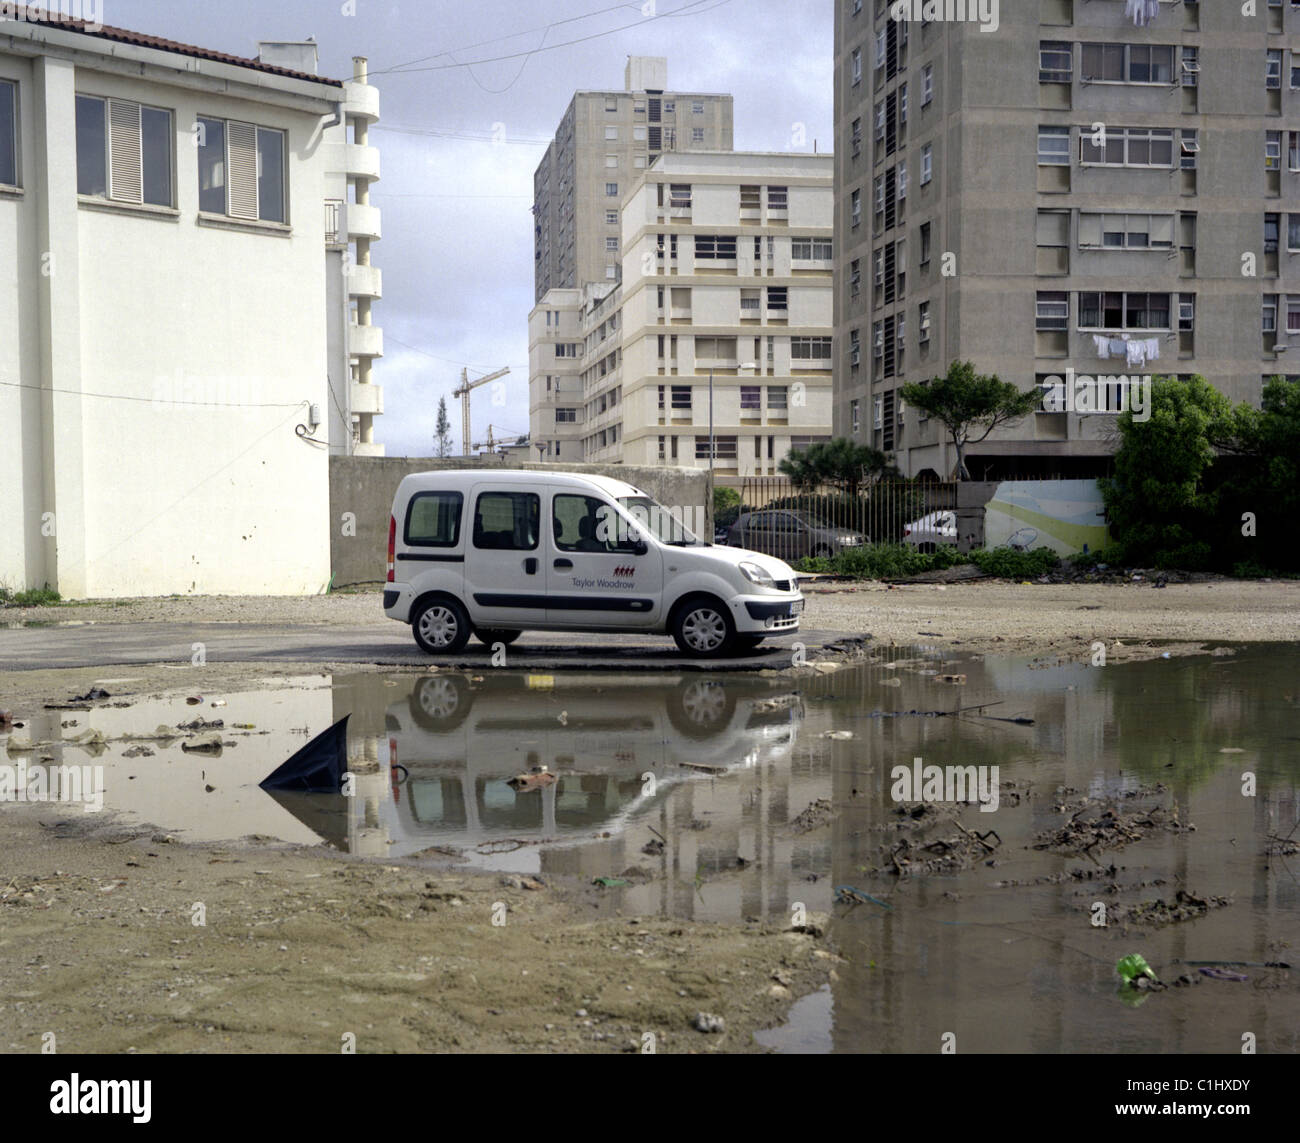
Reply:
x=640, y=547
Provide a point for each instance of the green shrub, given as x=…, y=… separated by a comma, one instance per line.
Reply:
x=1011, y=563
x=31, y=597
x=1113, y=556
x=1249, y=569
x=947, y=556
x=815, y=565
x=882, y=561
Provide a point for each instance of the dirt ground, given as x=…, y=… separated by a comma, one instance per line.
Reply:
x=302, y=946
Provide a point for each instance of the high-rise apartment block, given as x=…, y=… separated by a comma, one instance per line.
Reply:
x=722, y=318
x=1070, y=194
x=605, y=140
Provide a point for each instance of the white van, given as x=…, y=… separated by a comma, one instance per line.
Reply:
x=496, y=553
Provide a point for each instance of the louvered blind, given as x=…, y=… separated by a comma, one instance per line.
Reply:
x=124, y=150
x=241, y=142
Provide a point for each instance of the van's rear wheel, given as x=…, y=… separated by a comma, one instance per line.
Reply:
x=490, y=635
x=440, y=626
x=702, y=628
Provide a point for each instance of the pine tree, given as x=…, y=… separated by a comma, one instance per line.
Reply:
x=442, y=431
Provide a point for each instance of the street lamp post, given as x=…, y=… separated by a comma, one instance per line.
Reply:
x=712, y=451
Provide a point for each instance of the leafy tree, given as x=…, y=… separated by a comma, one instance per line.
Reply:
x=442, y=430
x=726, y=506
x=841, y=463
x=966, y=402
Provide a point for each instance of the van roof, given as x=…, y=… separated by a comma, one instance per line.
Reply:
x=525, y=476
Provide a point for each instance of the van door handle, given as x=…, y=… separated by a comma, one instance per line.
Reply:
x=563, y=564
x=530, y=566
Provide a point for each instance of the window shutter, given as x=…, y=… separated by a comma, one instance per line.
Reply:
x=124, y=149
x=1162, y=229
x=1090, y=230
x=242, y=144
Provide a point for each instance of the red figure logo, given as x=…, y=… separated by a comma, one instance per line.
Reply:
x=625, y=570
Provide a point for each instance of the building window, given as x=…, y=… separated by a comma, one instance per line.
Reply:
x=1268, y=314
x=697, y=107
x=927, y=84
x=679, y=196
x=901, y=174
x=751, y=397
x=778, y=198
x=1272, y=150
x=611, y=104
x=1271, y=225
x=1055, y=62
x=778, y=299
x=670, y=107
x=638, y=135
x=810, y=249
x=241, y=170
x=927, y=163
x=1273, y=68
x=855, y=208
x=715, y=246
x=1191, y=66
x=853, y=417
x=611, y=133
x=879, y=120
x=697, y=134
x=923, y=323
x=1295, y=70
x=902, y=104
x=855, y=66
x=1128, y=147
x=611, y=190
x=882, y=40
x=1293, y=150
x=611, y=244
x=611, y=218
x=1293, y=232
x=8, y=133
x=681, y=397
x=1128, y=63
x=855, y=277
x=1186, y=312
x=778, y=397
x=566, y=416
x=925, y=243
x=566, y=349
x=1188, y=149
x=1115, y=310
x=1053, y=146
x=611, y=161
x=857, y=136
x=1052, y=310
x=810, y=348
x=124, y=151
x=1126, y=231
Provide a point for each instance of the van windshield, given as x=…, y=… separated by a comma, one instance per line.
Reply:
x=658, y=521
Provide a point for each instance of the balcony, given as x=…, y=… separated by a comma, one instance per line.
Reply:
x=367, y=398
x=365, y=282
x=361, y=101
x=365, y=340
x=363, y=222
x=357, y=160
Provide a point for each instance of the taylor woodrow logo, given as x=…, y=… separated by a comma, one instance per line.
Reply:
x=628, y=570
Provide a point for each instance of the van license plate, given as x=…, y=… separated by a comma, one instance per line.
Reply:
x=796, y=607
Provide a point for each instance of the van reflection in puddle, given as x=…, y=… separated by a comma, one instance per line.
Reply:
x=617, y=748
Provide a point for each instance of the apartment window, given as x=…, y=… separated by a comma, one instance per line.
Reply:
x=1273, y=68
x=1191, y=66
x=855, y=277
x=927, y=84
x=611, y=218
x=1128, y=147
x=857, y=136
x=611, y=272
x=1052, y=310
x=855, y=348
x=1271, y=222
x=566, y=416
x=1128, y=63
x=1186, y=312
x=923, y=323
x=1053, y=146
x=881, y=45
x=1272, y=150
x=1188, y=149
x=878, y=410
x=853, y=416
x=611, y=190
x=810, y=348
x=611, y=104
x=681, y=397
x=778, y=198
x=878, y=267
x=241, y=170
x=901, y=172
x=1295, y=70
x=1268, y=314
x=1293, y=313
x=855, y=66
x=778, y=397
x=1122, y=311
x=566, y=349
x=638, y=106
x=877, y=339
x=927, y=163
x=715, y=348
x=810, y=249
x=855, y=208
x=878, y=191
x=1055, y=62
x=611, y=133
x=751, y=302
x=925, y=243
x=670, y=107
x=1126, y=231
x=124, y=151
x=902, y=103
x=751, y=397
x=8, y=133
x=879, y=118
x=778, y=298
x=715, y=246
x=697, y=107
x=611, y=161
x=1293, y=150
x=697, y=134
x=611, y=244
x=679, y=195
x=1293, y=231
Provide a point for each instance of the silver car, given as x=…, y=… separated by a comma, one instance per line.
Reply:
x=793, y=532
x=927, y=533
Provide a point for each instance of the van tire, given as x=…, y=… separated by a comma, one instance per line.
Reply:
x=440, y=702
x=440, y=625
x=489, y=635
x=702, y=628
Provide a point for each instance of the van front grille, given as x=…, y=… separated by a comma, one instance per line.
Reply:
x=782, y=584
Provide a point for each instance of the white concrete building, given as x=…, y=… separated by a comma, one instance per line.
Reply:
x=165, y=323
x=726, y=273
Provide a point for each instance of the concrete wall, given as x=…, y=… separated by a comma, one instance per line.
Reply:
x=361, y=500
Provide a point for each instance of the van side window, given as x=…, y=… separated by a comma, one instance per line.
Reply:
x=433, y=520
x=507, y=521
x=585, y=524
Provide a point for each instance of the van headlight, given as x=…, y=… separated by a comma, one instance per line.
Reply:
x=756, y=574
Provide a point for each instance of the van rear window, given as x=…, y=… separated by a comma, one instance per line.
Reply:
x=433, y=520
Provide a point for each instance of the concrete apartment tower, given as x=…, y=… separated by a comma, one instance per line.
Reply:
x=1036, y=197
x=603, y=142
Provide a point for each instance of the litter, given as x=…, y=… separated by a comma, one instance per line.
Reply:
x=316, y=768
x=1133, y=966
x=1222, y=974
x=848, y=895
x=204, y=744
x=610, y=882
x=533, y=780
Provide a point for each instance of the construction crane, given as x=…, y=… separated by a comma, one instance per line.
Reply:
x=492, y=442
x=466, y=385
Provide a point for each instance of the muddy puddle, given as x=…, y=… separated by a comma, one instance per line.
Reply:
x=988, y=836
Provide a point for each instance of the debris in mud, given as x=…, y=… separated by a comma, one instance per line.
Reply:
x=161, y=733
x=848, y=895
x=195, y=700
x=6, y=719
x=1222, y=974
x=534, y=779
x=818, y=814
x=708, y=1022
x=205, y=744
x=909, y=857
x=1281, y=846
x=609, y=882
x=635, y=875
x=138, y=752
x=1133, y=967
x=1186, y=907
x=653, y=848
x=1109, y=831
x=201, y=724
x=703, y=768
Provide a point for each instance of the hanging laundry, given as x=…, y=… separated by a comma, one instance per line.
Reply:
x=1102, y=345
x=1142, y=12
x=1118, y=348
x=1152, y=348
x=1135, y=352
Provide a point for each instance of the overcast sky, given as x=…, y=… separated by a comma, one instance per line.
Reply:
x=457, y=252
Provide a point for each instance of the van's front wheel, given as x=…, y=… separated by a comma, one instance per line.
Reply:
x=440, y=626
x=702, y=628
